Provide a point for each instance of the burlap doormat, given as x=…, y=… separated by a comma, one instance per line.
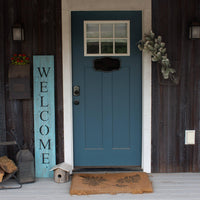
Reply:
x=110, y=183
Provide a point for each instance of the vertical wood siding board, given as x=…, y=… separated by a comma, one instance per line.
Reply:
x=178, y=131
x=179, y=107
x=198, y=8
x=184, y=121
x=170, y=45
x=172, y=30
x=158, y=104
x=163, y=30
x=47, y=25
x=162, y=133
x=18, y=116
x=181, y=111
x=193, y=151
x=197, y=67
x=59, y=92
x=183, y=104
x=26, y=18
x=28, y=124
x=155, y=122
x=180, y=38
x=193, y=108
x=155, y=15
x=160, y=137
x=14, y=109
x=196, y=102
x=196, y=87
x=11, y=15
x=155, y=103
x=162, y=157
x=190, y=85
x=41, y=40
x=2, y=82
x=55, y=26
x=156, y=128
x=155, y=143
x=166, y=112
x=172, y=128
x=196, y=92
x=174, y=42
x=36, y=28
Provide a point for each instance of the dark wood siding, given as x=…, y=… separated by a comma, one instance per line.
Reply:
x=42, y=24
x=176, y=108
x=2, y=92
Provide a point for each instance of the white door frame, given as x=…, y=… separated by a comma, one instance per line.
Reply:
x=103, y=5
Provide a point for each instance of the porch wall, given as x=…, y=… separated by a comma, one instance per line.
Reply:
x=42, y=25
x=176, y=108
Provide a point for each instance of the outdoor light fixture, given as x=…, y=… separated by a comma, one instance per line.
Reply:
x=17, y=32
x=194, y=30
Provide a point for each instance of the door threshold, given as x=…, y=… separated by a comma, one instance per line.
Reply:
x=107, y=169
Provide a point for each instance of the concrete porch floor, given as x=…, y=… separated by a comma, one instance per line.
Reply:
x=177, y=186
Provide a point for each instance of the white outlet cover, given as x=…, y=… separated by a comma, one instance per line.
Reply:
x=189, y=137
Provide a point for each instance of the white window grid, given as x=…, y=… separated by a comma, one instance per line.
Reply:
x=113, y=38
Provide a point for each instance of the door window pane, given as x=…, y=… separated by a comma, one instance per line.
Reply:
x=107, y=30
x=92, y=30
x=107, y=46
x=121, y=30
x=92, y=46
x=121, y=46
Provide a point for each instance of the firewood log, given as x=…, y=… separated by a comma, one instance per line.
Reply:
x=7, y=165
x=1, y=175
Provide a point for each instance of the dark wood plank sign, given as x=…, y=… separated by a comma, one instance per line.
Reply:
x=44, y=115
x=19, y=81
x=2, y=113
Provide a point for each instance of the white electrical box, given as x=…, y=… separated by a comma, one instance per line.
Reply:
x=189, y=137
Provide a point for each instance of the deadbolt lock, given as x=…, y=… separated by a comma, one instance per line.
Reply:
x=76, y=91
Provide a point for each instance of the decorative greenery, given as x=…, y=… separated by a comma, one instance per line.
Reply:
x=20, y=59
x=156, y=47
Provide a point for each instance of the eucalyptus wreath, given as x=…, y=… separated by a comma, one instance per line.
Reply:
x=156, y=47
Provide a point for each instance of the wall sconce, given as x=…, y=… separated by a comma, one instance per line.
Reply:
x=194, y=30
x=18, y=32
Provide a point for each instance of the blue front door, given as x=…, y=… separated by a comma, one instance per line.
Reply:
x=106, y=104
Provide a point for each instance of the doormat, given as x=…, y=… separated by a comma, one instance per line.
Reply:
x=110, y=183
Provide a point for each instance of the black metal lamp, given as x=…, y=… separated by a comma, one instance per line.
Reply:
x=18, y=32
x=194, y=30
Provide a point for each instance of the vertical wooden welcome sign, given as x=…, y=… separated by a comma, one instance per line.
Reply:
x=44, y=115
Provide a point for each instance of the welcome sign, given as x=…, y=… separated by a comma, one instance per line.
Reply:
x=44, y=115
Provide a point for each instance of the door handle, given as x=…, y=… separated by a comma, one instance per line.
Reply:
x=76, y=102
